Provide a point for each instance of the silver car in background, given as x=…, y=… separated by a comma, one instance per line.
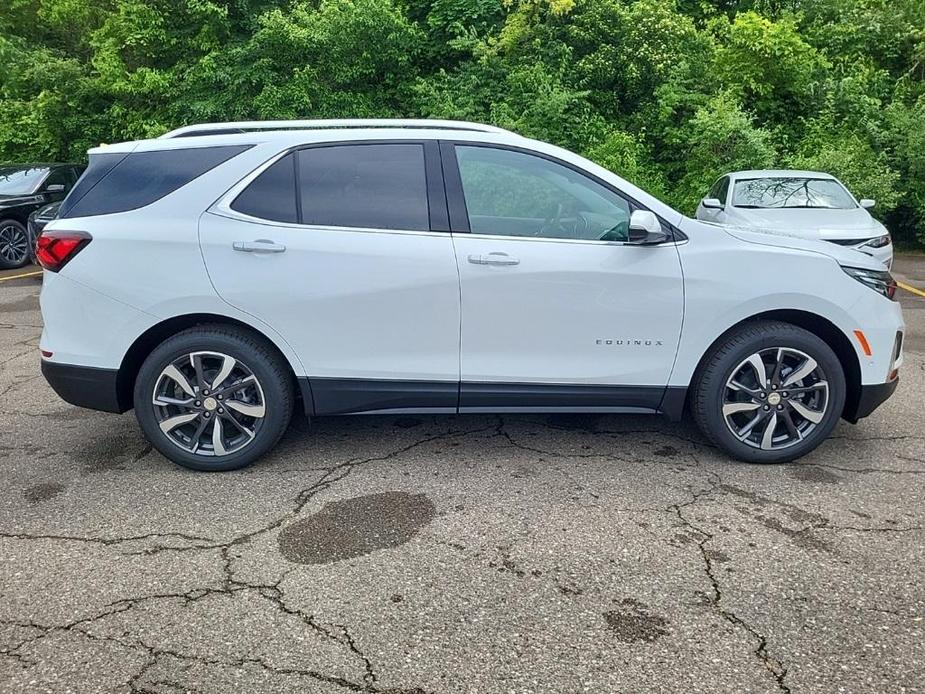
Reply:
x=806, y=204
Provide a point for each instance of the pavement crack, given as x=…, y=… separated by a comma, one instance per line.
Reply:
x=775, y=667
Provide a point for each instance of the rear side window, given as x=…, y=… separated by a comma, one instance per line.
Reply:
x=272, y=194
x=140, y=178
x=379, y=186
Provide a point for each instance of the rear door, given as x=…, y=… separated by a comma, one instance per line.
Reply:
x=343, y=248
x=557, y=309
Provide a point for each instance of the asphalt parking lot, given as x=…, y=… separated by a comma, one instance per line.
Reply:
x=457, y=554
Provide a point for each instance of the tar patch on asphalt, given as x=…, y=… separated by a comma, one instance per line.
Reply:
x=355, y=527
x=633, y=622
x=42, y=492
x=812, y=473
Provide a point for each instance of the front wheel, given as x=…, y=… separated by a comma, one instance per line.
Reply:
x=213, y=398
x=769, y=393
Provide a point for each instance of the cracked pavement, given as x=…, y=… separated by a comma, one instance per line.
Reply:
x=455, y=554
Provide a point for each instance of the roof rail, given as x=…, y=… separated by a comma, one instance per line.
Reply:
x=257, y=125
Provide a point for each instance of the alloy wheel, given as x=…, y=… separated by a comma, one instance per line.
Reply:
x=14, y=244
x=209, y=403
x=775, y=398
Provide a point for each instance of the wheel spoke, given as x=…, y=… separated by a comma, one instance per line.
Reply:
x=778, y=364
x=735, y=385
x=761, y=371
x=246, y=408
x=164, y=401
x=235, y=386
x=733, y=407
x=172, y=423
x=218, y=437
x=240, y=427
x=803, y=390
x=173, y=373
x=767, y=438
x=196, y=362
x=806, y=368
x=203, y=423
x=791, y=427
x=228, y=364
x=745, y=431
x=811, y=415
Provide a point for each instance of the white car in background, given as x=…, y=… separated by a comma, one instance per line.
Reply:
x=807, y=204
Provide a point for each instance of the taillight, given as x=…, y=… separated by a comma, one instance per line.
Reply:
x=54, y=249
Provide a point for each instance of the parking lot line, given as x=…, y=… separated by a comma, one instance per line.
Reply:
x=917, y=292
x=36, y=274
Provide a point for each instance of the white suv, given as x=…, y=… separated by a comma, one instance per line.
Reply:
x=221, y=276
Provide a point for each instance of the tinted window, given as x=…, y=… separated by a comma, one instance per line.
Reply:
x=58, y=177
x=141, y=178
x=272, y=194
x=720, y=189
x=515, y=194
x=100, y=165
x=373, y=186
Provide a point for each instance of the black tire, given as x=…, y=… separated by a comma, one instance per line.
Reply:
x=710, y=388
x=14, y=239
x=251, y=352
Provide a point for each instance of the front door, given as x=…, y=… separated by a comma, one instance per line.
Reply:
x=345, y=266
x=557, y=310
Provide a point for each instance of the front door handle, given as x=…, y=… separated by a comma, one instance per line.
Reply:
x=495, y=258
x=258, y=246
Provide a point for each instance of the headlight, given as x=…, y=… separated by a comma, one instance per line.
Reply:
x=880, y=281
x=878, y=242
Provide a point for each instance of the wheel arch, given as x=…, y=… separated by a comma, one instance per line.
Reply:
x=145, y=343
x=822, y=328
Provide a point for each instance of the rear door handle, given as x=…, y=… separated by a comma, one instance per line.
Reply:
x=495, y=258
x=258, y=246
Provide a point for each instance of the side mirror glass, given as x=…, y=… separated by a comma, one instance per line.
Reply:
x=645, y=228
x=712, y=204
x=867, y=203
x=54, y=188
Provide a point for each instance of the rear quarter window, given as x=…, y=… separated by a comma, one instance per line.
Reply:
x=272, y=195
x=118, y=183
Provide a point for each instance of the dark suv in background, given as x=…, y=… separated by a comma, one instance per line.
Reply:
x=24, y=189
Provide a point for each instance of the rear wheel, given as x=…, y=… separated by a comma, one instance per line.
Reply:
x=14, y=245
x=770, y=393
x=213, y=398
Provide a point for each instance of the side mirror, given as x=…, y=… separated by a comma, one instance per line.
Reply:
x=712, y=204
x=867, y=203
x=645, y=229
x=54, y=188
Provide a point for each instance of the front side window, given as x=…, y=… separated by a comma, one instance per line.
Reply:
x=786, y=192
x=720, y=189
x=375, y=186
x=516, y=194
x=58, y=177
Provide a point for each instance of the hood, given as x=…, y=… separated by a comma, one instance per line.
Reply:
x=843, y=255
x=16, y=200
x=809, y=222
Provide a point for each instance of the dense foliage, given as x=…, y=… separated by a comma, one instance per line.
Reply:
x=668, y=93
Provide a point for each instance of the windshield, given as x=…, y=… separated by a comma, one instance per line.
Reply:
x=16, y=180
x=791, y=192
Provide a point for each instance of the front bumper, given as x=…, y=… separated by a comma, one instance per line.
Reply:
x=871, y=397
x=85, y=386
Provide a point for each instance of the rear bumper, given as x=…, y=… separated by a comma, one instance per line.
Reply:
x=85, y=386
x=872, y=396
